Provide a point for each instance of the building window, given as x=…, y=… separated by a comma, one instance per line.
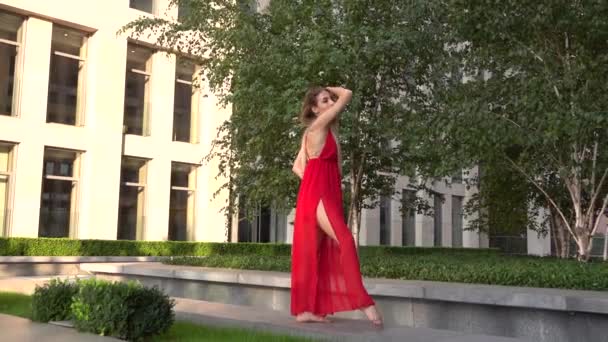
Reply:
x=438, y=219
x=181, y=205
x=457, y=177
x=6, y=173
x=131, y=208
x=457, y=221
x=408, y=218
x=385, y=220
x=137, y=90
x=58, y=204
x=142, y=5
x=10, y=46
x=183, y=11
x=185, y=104
x=66, y=83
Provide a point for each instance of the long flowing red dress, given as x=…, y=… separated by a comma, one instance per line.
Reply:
x=325, y=275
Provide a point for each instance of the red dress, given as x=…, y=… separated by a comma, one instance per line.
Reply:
x=325, y=275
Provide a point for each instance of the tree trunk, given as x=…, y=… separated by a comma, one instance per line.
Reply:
x=561, y=239
x=583, y=242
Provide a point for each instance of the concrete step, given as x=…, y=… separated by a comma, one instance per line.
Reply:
x=341, y=329
x=27, y=285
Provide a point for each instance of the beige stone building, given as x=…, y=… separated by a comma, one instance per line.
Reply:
x=101, y=137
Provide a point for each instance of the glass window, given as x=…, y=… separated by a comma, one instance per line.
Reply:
x=385, y=220
x=408, y=219
x=66, y=82
x=137, y=90
x=58, y=209
x=438, y=218
x=6, y=167
x=183, y=10
x=457, y=177
x=10, y=32
x=181, y=205
x=142, y=5
x=131, y=211
x=184, y=104
x=457, y=221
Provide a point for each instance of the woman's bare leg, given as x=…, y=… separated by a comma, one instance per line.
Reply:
x=324, y=223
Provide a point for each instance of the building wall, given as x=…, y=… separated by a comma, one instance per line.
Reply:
x=100, y=139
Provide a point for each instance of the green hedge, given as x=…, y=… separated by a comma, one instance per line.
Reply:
x=70, y=247
x=491, y=269
x=51, y=302
x=127, y=310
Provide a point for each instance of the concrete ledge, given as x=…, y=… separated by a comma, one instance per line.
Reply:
x=521, y=297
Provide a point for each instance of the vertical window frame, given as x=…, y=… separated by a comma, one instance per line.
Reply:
x=75, y=192
x=191, y=202
x=79, y=115
x=9, y=176
x=19, y=61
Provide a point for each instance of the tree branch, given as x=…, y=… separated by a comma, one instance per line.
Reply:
x=596, y=191
x=597, y=222
x=549, y=198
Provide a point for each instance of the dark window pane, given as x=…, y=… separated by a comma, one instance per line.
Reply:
x=55, y=208
x=457, y=221
x=179, y=174
x=135, y=89
x=182, y=109
x=408, y=237
x=8, y=55
x=64, y=74
x=142, y=5
x=63, y=88
x=127, y=212
x=385, y=220
x=130, y=199
x=178, y=215
x=437, y=222
x=182, y=104
x=9, y=26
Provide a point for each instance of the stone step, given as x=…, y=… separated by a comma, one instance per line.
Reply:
x=27, y=285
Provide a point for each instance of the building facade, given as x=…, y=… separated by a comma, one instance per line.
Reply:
x=102, y=137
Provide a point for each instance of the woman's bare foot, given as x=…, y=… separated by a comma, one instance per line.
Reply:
x=307, y=317
x=373, y=315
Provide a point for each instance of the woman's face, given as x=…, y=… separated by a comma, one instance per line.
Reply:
x=324, y=102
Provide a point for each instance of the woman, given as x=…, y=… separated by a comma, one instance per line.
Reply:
x=325, y=275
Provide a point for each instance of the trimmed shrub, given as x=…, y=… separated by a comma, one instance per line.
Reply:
x=125, y=310
x=70, y=247
x=52, y=301
x=465, y=268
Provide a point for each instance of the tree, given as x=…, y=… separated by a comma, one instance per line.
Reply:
x=523, y=83
x=261, y=61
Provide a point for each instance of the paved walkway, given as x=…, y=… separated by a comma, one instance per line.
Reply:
x=17, y=329
x=217, y=314
x=226, y=315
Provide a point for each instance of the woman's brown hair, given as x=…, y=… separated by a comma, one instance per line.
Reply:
x=307, y=116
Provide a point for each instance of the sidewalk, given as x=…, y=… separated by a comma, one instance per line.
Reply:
x=234, y=316
x=17, y=329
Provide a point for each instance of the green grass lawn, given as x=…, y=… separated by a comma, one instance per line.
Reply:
x=21, y=305
x=186, y=332
x=16, y=304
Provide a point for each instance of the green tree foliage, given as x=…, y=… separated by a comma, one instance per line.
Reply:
x=262, y=60
x=523, y=84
